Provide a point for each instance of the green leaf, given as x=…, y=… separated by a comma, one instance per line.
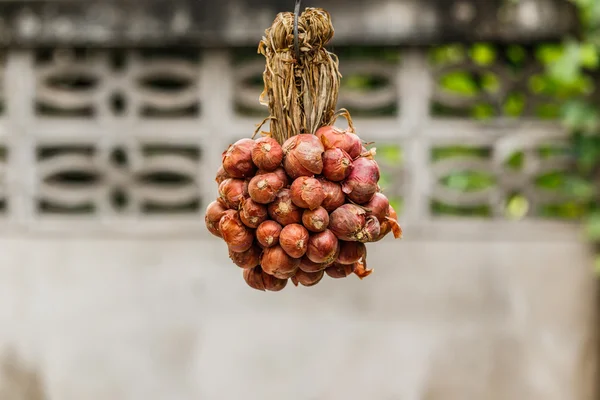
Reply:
x=589, y=56
x=592, y=226
x=568, y=67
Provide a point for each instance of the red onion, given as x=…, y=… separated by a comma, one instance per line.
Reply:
x=280, y=172
x=283, y=210
x=267, y=154
x=303, y=156
x=221, y=175
x=232, y=191
x=254, y=278
x=333, y=137
x=371, y=231
x=273, y=284
x=351, y=252
x=322, y=247
x=252, y=214
x=308, y=266
x=337, y=165
x=334, y=196
x=263, y=189
x=361, y=185
x=307, y=278
x=307, y=192
x=316, y=220
x=268, y=233
x=247, y=259
x=294, y=240
x=275, y=261
x=214, y=213
x=237, y=159
x=347, y=222
x=237, y=236
x=378, y=207
x=338, y=271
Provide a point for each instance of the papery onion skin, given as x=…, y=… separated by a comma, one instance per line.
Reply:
x=237, y=159
x=254, y=278
x=275, y=261
x=308, y=266
x=273, y=284
x=351, y=252
x=371, y=231
x=280, y=172
x=334, y=196
x=232, y=191
x=221, y=175
x=267, y=233
x=214, y=213
x=252, y=213
x=316, y=220
x=307, y=192
x=347, y=222
x=361, y=184
x=339, y=271
x=247, y=259
x=307, y=278
x=263, y=189
x=283, y=210
x=267, y=154
x=303, y=156
x=333, y=137
x=323, y=247
x=237, y=236
x=294, y=240
x=378, y=207
x=337, y=165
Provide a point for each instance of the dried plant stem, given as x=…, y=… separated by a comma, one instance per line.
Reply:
x=301, y=94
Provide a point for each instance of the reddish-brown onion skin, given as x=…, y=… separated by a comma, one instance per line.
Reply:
x=267, y=154
x=294, y=240
x=351, y=252
x=254, y=278
x=283, y=210
x=237, y=236
x=280, y=172
x=333, y=137
x=316, y=220
x=337, y=165
x=322, y=247
x=371, y=231
x=308, y=266
x=263, y=189
x=334, y=196
x=303, y=156
x=339, y=271
x=247, y=259
x=237, y=159
x=232, y=191
x=273, y=284
x=214, y=213
x=361, y=184
x=378, y=207
x=276, y=262
x=308, y=278
x=252, y=213
x=221, y=175
x=347, y=222
x=267, y=233
x=307, y=192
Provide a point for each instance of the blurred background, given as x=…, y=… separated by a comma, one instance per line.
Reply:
x=113, y=118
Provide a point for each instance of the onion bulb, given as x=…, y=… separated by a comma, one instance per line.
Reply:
x=308, y=266
x=307, y=192
x=232, y=191
x=275, y=261
x=294, y=240
x=334, y=196
x=267, y=154
x=316, y=220
x=214, y=213
x=378, y=207
x=307, y=278
x=361, y=184
x=339, y=271
x=351, y=252
x=333, y=138
x=263, y=189
x=322, y=247
x=221, y=175
x=303, y=156
x=268, y=233
x=283, y=210
x=247, y=259
x=237, y=236
x=254, y=278
x=347, y=222
x=252, y=213
x=237, y=159
x=337, y=165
